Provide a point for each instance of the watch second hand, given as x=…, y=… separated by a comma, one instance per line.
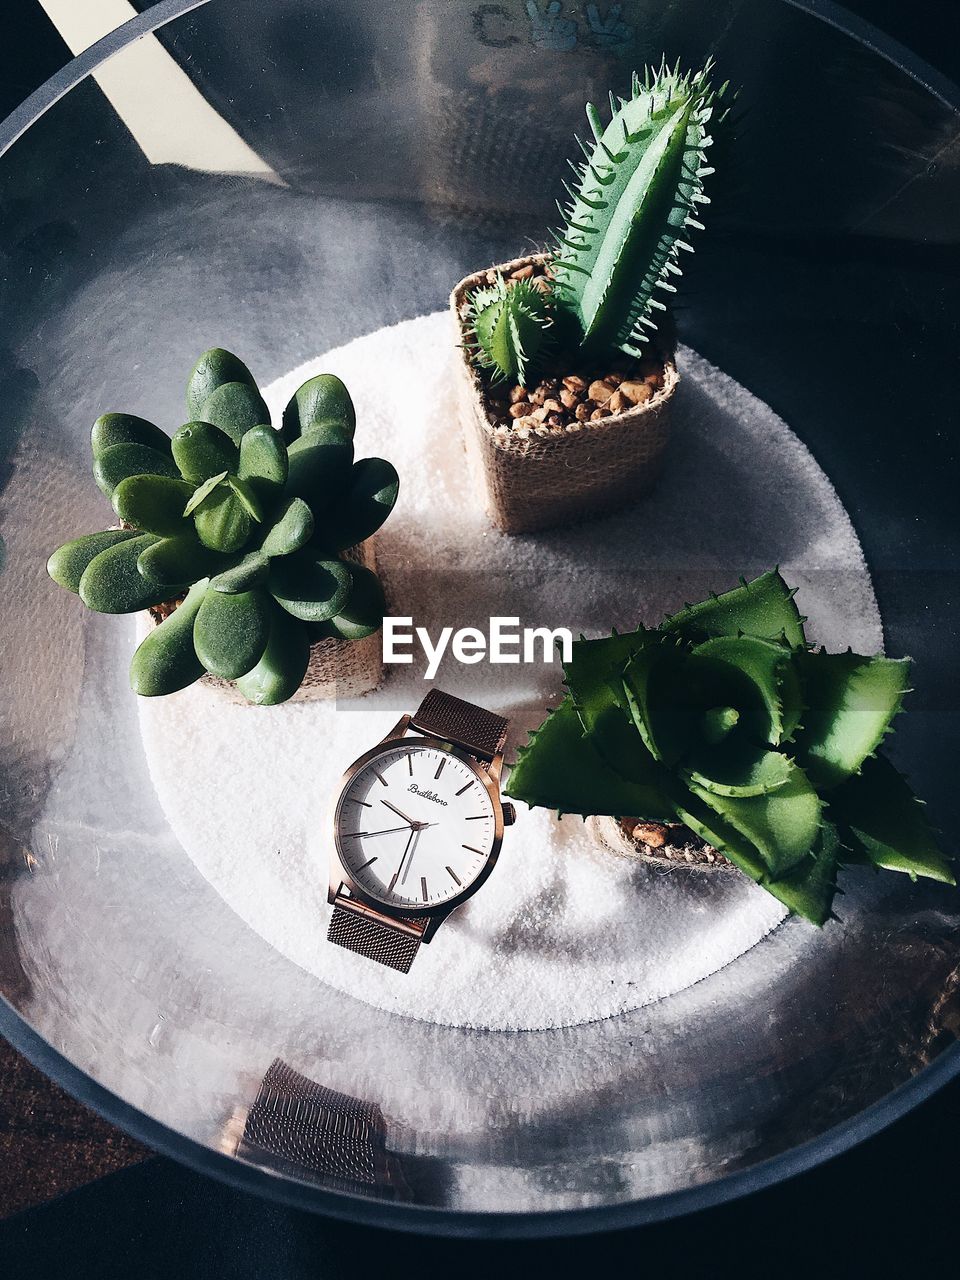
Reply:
x=388, y=831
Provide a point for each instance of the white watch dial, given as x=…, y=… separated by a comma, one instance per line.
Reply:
x=415, y=826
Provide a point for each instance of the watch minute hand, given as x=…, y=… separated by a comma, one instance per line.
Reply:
x=400, y=814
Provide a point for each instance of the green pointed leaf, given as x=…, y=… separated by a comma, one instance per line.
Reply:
x=292, y=529
x=764, y=607
x=559, y=769
x=263, y=462
x=235, y=407
x=320, y=463
x=808, y=889
x=126, y=428
x=311, y=589
x=112, y=582
x=279, y=673
x=203, y=491
x=783, y=825
x=884, y=822
x=119, y=461
x=221, y=521
x=170, y=561
x=250, y=572
x=231, y=632
x=202, y=450
x=362, y=614
x=68, y=562
x=372, y=491
x=214, y=368
x=166, y=660
x=248, y=497
x=851, y=702
x=656, y=698
x=153, y=504
x=737, y=767
x=321, y=400
x=711, y=826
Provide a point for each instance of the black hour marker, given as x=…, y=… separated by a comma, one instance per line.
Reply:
x=378, y=777
x=466, y=788
x=366, y=803
x=391, y=885
x=410, y=764
x=476, y=817
x=471, y=848
x=454, y=875
x=369, y=862
x=423, y=887
x=443, y=761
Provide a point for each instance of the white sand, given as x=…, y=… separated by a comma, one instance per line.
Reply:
x=563, y=932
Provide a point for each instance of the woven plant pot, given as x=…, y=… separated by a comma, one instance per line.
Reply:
x=610, y=834
x=537, y=478
x=337, y=668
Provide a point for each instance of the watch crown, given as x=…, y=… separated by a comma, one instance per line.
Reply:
x=509, y=814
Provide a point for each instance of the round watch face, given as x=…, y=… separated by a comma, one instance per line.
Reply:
x=415, y=826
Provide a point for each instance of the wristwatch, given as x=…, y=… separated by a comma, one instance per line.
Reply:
x=417, y=828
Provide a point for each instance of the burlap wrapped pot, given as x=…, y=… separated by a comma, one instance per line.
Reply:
x=537, y=478
x=337, y=668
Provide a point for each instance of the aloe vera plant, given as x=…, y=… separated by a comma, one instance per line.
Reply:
x=724, y=719
x=247, y=523
x=636, y=197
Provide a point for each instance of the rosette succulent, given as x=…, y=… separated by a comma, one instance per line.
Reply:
x=246, y=528
x=636, y=197
x=724, y=719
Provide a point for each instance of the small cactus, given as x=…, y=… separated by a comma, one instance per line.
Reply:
x=723, y=719
x=249, y=522
x=511, y=326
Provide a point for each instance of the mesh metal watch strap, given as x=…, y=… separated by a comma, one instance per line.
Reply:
x=393, y=941
x=480, y=732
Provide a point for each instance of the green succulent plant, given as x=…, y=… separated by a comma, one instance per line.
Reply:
x=724, y=719
x=248, y=524
x=511, y=326
x=636, y=197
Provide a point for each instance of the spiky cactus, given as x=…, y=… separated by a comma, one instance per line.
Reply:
x=249, y=522
x=636, y=194
x=511, y=326
x=724, y=719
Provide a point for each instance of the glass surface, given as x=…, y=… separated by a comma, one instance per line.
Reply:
x=280, y=179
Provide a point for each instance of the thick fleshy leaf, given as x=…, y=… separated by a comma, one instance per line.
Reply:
x=202, y=450
x=559, y=769
x=279, y=673
x=882, y=820
x=231, y=632
x=656, y=698
x=371, y=496
x=764, y=607
x=783, y=825
x=235, y=407
x=291, y=530
x=311, y=589
x=68, y=562
x=170, y=561
x=713, y=827
x=119, y=461
x=736, y=659
x=248, y=497
x=212, y=370
x=222, y=522
x=166, y=660
x=126, y=428
x=738, y=766
x=263, y=462
x=203, y=491
x=362, y=614
x=592, y=678
x=808, y=889
x=320, y=462
x=112, y=582
x=323, y=399
x=851, y=702
x=249, y=573
x=153, y=504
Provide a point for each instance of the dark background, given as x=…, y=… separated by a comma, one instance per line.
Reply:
x=888, y=1206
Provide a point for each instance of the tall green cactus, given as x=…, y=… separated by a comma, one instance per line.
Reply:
x=637, y=193
x=723, y=719
x=250, y=522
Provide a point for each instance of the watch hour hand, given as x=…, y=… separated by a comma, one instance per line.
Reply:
x=412, y=821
